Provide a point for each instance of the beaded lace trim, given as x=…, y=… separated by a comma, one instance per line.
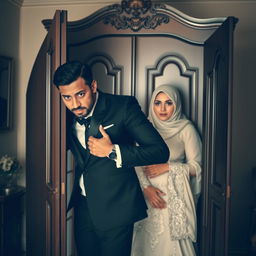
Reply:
x=176, y=204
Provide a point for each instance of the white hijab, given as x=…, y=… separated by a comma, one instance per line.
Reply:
x=177, y=121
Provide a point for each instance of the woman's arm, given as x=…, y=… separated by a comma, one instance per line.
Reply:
x=155, y=170
x=193, y=150
x=151, y=193
x=193, y=159
x=193, y=155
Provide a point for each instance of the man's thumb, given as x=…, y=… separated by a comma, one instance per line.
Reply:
x=102, y=131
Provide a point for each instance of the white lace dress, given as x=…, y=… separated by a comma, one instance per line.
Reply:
x=172, y=231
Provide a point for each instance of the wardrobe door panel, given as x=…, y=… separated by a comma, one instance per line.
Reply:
x=111, y=62
x=166, y=60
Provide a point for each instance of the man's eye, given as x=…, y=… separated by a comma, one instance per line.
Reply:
x=66, y=97
x=81, y=94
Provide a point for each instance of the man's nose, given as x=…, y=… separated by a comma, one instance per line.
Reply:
x=76, y=103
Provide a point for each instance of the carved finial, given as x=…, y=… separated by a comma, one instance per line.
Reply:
x=136, y=4
x=136, y=14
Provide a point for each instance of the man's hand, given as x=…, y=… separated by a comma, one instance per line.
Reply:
x=155, y=170
x=153, y=195
x=100, y=147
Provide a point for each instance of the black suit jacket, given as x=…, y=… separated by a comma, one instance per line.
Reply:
x=113, y=194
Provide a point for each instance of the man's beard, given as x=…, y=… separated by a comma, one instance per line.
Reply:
x=88, y=110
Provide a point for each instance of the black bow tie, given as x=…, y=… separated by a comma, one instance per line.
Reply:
x=84, y=121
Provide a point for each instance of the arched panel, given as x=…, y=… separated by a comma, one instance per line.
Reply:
x=174, y=70
x=108, y=74
x=112, y=68
x=168, y=60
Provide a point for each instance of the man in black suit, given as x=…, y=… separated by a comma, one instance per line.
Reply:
x=106, y=196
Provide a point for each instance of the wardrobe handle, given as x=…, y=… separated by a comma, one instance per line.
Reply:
x=52, y=190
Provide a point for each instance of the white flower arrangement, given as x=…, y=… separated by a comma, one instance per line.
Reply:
x=9, y=166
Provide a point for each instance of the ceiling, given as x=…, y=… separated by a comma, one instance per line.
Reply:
x=30, y=3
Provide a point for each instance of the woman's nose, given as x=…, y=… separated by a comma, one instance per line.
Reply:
x=162, y=107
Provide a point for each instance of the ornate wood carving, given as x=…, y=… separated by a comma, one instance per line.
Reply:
x=136, y=14
x=141, y=14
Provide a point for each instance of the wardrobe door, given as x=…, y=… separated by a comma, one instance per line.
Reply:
x=217, y=143
x=45, y=120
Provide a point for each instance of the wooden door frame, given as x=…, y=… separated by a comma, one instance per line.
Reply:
x=43, y=157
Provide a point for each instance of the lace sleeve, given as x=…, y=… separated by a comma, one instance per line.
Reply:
x=193, y=156
x=178, y=168
x=144, y=182
x=181, y=223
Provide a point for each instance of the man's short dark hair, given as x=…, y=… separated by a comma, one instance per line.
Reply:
x=70, y=71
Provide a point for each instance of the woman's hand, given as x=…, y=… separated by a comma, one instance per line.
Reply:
x=155, y=170
x=153, y=195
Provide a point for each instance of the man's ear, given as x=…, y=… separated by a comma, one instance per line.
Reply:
x=94, y=86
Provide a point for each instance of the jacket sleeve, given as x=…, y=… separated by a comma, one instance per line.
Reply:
x=150, y=148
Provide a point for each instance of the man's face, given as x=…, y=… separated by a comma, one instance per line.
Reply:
x=78, y=96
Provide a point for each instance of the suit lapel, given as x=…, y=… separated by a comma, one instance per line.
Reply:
x=98, y=115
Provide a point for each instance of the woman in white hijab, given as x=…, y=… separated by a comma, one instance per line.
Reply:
x=170, y=189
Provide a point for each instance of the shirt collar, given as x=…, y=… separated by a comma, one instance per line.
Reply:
x=94, y=105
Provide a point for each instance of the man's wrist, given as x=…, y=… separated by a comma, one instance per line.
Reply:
x=112, y=154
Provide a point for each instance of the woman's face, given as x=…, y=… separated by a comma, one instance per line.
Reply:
x=163, y=106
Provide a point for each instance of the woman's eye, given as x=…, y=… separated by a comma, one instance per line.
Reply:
x=157, y=103
x=169, y=103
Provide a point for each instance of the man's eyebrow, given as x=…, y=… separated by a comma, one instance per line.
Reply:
x=79, y=92
x=65, y=95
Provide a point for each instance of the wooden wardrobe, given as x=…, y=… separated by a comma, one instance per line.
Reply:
x=132, y=48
